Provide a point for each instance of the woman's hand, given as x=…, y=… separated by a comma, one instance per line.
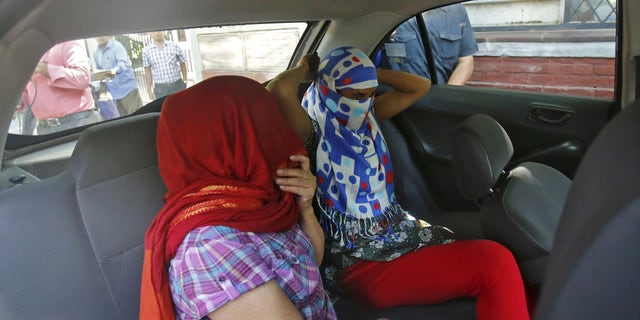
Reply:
x=299, y=181
x=309, y=63
x=302, y=182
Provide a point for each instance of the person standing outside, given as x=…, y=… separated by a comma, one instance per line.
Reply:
x=165, y=66
x=111, y=55
x=59, y=95
x=451, y=41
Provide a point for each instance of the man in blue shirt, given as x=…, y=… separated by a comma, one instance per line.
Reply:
x=451, y=41
x=111, y=56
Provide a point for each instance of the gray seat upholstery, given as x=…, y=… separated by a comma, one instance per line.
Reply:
x=520, y=206
x=594, y=269
x=72, y=245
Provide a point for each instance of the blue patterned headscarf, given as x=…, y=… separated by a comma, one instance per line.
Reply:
x=354, y=171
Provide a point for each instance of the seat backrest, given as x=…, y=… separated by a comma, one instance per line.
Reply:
x=594, y=268
x=119, y=192
x=520, y=206
x=72, y=245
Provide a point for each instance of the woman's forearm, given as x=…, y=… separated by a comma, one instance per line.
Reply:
x=404, y=81
x=407, y=89
x=311, y=227
x=284, y=87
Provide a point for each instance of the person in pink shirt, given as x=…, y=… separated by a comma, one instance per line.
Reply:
x=58, y=94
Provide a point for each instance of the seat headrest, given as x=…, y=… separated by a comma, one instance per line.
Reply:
x=480, y=151
x=114, y=148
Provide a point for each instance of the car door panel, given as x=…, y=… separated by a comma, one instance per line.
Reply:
x=551, y=129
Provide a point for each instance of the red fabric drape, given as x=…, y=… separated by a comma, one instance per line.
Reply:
x=219, y=145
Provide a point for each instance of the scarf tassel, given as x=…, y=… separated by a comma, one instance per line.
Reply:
x=347, y=228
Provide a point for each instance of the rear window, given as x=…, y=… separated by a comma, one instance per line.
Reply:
x=97, y=79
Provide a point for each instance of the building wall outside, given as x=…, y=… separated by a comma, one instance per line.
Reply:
x=541, y=52
x=593, y=77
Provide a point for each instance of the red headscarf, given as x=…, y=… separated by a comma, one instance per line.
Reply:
x=219, y=145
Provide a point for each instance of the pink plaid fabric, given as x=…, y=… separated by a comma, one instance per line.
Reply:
x=217, y=264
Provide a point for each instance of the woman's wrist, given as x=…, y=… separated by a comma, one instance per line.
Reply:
x=380, y=75
x=307, y=213
x=303, y=73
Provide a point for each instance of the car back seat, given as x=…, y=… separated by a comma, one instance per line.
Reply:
x=594, y=268
x=520, y=204
x=72, y=245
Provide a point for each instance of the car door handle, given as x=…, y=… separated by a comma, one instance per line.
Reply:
x=550, y=115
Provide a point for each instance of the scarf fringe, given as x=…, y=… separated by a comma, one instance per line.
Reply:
x=347, y=228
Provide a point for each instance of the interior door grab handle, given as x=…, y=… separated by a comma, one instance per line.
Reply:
x=550, y=115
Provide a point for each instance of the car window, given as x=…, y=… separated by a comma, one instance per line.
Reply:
x=91, y=80
x=555, y=47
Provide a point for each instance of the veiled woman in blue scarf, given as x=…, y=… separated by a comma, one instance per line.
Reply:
x=380, y=255
x=355, y=190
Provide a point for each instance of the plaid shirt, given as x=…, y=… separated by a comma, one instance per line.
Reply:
x=217, y=264
x=164, y=61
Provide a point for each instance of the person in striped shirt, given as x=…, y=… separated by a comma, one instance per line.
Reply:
x=165, y=67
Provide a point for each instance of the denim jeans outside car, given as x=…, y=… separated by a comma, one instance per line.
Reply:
x=78, y=119
x=163, y=89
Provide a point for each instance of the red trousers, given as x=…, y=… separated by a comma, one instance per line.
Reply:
x=476, y=268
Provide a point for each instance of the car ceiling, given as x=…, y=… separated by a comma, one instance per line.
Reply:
x=29, y=27
x=97, y=16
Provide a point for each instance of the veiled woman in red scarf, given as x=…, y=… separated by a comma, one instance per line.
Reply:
x=237, y=237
